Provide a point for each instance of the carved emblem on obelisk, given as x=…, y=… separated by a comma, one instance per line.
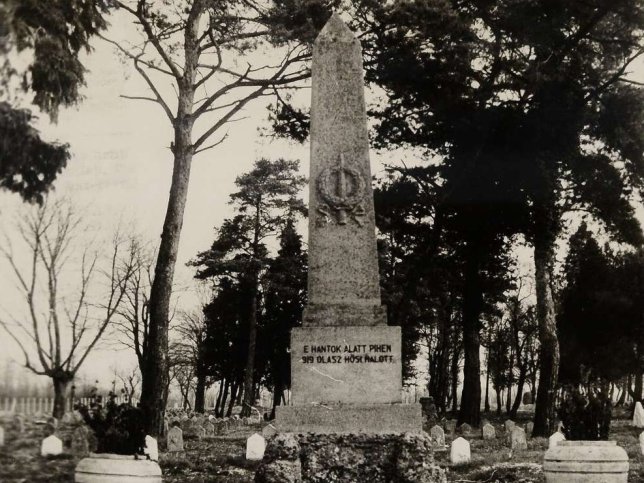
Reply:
x=342, y=187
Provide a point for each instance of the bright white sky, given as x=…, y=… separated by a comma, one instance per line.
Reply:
x=120, y=174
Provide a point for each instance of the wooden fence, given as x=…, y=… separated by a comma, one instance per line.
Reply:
x=40, y=405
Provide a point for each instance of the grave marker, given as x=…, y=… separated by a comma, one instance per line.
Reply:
x=346, y=361
x=51, y=446
x=638, y=415
x=518, y=440
x=438, y=435
x=488, y=432
x=555, y=438
x=460, y=451
x=255, y=447
x=175, y=439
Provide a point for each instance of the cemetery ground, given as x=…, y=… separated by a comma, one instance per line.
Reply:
x=221, y=458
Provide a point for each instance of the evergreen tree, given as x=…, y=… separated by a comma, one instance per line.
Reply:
x=284, y=301
x=267, y=198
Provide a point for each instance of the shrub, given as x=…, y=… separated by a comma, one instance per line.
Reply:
x=585, y=416
x=118, y=427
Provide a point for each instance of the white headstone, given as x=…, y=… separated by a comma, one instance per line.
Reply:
x=51, y=445
x=518, y=440
x=460, y=451
x=488, y=432
x=175, y=439
x=638, y=415
x=555, y=439
x=641, y=443
x=438, y=435
x=509, y=424
x=151, y=448
x=255, y=446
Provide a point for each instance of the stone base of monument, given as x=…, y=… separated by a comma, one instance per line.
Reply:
x=320, y=458
x=586, y=462
x=345, y=419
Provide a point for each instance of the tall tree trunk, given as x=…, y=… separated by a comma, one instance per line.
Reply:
x=637, y=390
x=498, y=400
x=454, y=382
x=61, y=385
x=544, y=416
x=470, y=411
x=277, y=397
x=200, y=393
x=233, y=396
x=224, y=397
x=154, y=385
x=517, y=398
x=218, y=399
x=487, y=385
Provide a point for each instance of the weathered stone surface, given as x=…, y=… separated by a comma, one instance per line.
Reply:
x=638, y=415
x=175, y=439
x=356, y=458
x=488, y=432
x=377, y=418
x=51, y=446
x=641, y=442
x=518, y=440
x=343, y=264
x=460, y=451
x=105, y=468
x=283, y=446
x=529, y=427
x=438, y=435
x=350, y=365
x=280, y=471
x=209, y=429
x=509, y=424
x=586, y=462
x=555, y=439
x=255, y=447
x=1, y=436
x=415, y=461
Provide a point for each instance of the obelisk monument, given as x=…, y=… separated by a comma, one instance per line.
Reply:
x=346, y=370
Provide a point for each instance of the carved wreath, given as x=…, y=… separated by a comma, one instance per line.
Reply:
x=342, y=203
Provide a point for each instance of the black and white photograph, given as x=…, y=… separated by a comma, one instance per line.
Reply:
x=322, y=241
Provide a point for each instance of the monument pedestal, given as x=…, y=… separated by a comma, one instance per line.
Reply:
x=350, y=419
x=347, y=380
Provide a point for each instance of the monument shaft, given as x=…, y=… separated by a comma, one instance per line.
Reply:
x=343, y=280
x=346, y=366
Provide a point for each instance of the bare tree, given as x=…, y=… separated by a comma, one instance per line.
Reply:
x=59, y=328
x=189, y=349
x=130, y=382
x=197, y=50
x=132, y=320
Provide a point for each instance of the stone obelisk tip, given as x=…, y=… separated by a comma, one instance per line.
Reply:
x=335, y=30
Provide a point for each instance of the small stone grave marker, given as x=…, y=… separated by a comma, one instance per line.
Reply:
x=509, y=424
x=641, y=443
x=450, y=426
x=175, y=439
x=460, y=451
x=1, y=436
x=255, y=447
x=269, y=431
x=638, y=415
x=151, y=448
x=51, y=446
x=80, y=445
x=438, y=435
x=555, y=438
x=529, y=427
x=209, y=429
x=19, y=423
x=488, y=432
x=518, y=440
